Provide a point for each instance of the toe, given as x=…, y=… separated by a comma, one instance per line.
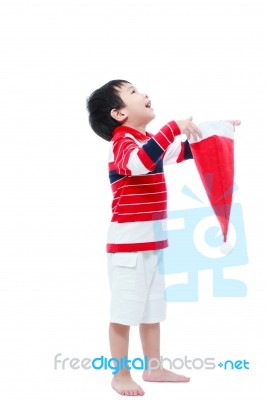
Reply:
x=140, y=392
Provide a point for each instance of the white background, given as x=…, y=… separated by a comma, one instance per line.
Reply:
x=199, y=58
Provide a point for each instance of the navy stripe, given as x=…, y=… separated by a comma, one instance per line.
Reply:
x=158, y=168
x=153, y=150
x=114, y=176
x=187, y=154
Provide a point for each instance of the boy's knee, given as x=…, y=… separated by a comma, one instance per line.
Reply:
x=117, y=326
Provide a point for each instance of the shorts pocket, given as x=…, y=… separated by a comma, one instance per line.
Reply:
x=124, y=268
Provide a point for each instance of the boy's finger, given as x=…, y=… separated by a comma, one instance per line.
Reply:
x=235, y=122
x=199, y=133
x=196, y=129
x=193, y=133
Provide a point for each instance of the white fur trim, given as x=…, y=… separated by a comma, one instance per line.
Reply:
x=211, y=128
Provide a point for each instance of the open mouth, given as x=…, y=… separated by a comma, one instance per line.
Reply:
x=148, y=105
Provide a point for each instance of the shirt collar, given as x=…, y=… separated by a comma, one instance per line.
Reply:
x=127, y=129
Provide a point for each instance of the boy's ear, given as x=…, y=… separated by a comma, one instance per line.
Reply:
x=118, y=115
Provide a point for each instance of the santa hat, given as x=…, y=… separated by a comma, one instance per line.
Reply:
x=214, y=159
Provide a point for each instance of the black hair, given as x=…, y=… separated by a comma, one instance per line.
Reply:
x=99, y=105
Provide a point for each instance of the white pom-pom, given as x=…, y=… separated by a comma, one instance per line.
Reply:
x=226, y=248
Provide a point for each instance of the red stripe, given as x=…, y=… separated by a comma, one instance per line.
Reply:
x=136, y=208
x=175, y=127
x=121, y=154
x=124, y=247
x=122, y=140
x=134, y=190
x=164, y=140
x=121, y=159
x=111, y=166
x=143, y=198
x=114, y=203
x=138, y=193
x=167, y=134
x=125, y=156
x=118, y=184
x=151, y=180
x=142, y=179
x=145, y=159
x=181, y=155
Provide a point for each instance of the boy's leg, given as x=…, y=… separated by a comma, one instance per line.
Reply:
x=122, y=381
x=124, y=312
x=150, y=340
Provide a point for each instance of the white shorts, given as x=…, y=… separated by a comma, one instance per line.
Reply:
x=137, y=287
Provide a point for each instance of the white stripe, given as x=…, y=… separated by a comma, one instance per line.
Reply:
x=136, y=194
x=170, y=128
x=142, y=212
x=137, y=232
x=136, y=204
x=111, y=153
x=139, y=194
x=135, y=165
x=172, y=152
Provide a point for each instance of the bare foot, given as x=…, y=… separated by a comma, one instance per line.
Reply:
x=163, y=375
x=125, y=386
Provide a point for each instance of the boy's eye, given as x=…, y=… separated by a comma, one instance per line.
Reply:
x=134, y=90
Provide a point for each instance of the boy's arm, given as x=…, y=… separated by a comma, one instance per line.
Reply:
x=177, y=152
x=132, y=159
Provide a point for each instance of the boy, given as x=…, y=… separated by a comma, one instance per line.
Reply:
x=119, y=113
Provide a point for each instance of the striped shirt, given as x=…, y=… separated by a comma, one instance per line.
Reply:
x=139, y=205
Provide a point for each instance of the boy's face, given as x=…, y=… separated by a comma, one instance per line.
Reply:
x=138, y=111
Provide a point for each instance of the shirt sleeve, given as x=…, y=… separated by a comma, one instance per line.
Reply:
x=132, y=159
x=177, y=152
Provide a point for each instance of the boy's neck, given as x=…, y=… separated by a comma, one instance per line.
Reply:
x=141, y=128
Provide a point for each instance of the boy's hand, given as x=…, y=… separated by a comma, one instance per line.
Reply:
x=187, y=127
x=234, y=122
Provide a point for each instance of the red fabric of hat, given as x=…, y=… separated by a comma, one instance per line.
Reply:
x=214, y=159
